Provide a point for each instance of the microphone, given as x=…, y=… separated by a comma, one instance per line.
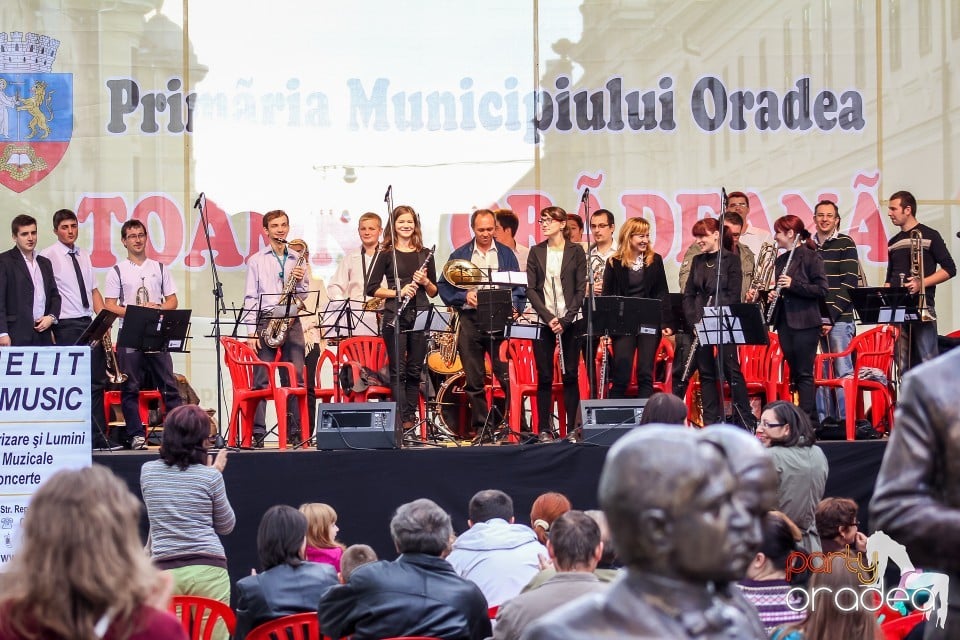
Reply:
x=386, y=196
x=586, y=194
x=201, y=200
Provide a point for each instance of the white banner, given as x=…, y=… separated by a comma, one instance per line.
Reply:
x=44, y=426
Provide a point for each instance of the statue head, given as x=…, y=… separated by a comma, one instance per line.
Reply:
x=677, y=502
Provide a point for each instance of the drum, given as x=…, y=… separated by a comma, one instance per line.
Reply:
x=435, y=363
x=453, y=406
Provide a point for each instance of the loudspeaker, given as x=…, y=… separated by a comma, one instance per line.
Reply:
x=605, y=421
x=357, y=425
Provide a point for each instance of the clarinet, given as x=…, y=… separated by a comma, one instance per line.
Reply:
x=556, y=302
x=603, y=366
x=773, y=305
x=405, y=300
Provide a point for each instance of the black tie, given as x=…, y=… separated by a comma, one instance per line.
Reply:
x=83, y=287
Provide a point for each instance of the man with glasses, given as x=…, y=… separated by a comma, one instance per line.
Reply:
x=842, y=267
x=750, y=236
x=123, y=283
x=602, y=229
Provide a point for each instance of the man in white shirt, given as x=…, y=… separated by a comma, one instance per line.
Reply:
x=750, y=236
x=350, y=279
x=506, y=233
x=268, y=272
x=123, y=284
x=80, y=300
x=602, y=226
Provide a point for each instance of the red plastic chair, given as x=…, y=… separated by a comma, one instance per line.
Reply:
x=901, y=627
x=556, y=392
x=327, y=394
x=873, y=348
x=298, y=626
x=523, y=382
x=113, y=398
x=370, y=352
x=241, y=362
x=413, y=638
x=199, y=615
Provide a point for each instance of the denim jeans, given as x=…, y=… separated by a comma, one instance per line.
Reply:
x=836, y=341
x=917, y=343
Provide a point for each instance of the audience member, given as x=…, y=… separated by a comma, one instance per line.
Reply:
x=188, y=509
x=322, y=545
x=575, y=548
x=607, y=567
x=80, y=572
x=418, y=594
x=682, y=526
x=664, y=408
x=547, y=508
x=917, y=497
x=286, y=583
x=495, y=553
x=766, y=585
x=833, y=610
x=355, y=556
x=801, y=465
x=838, y=527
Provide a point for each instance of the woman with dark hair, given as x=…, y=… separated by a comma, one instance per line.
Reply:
x=767, y=585
x=556, y=286
x=796, y=318
x=701, y=291
x=80, y=572
x=417, y=283
x=286, y=583
x=801, y=465
x=664, y=408
x=188, y=509
x=636, y=271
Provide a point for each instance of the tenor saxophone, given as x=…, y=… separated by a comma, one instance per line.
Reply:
x=276, y=331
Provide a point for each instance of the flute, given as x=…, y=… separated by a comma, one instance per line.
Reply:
x=556, y=305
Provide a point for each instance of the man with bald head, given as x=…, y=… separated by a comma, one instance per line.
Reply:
x=684, y=511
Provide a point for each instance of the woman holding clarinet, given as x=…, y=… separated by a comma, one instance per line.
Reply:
x=556, y=286
x=794, y=305
x=418, y=276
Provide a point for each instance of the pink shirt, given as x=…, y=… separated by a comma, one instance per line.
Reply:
x=329, y=556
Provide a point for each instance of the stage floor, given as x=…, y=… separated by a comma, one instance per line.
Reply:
x=366, y=486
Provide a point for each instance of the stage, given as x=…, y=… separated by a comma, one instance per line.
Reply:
x=366, y=486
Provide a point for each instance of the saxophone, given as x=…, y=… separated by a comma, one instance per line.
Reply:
x=275, y=333
x=763, y=273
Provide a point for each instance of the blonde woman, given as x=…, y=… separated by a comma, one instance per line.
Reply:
x=66, y=583
x=322, y=529
x=636, y=271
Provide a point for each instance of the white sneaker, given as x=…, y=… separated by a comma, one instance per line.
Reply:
x=138, y=442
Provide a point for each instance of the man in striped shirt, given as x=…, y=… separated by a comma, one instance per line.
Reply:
x=842, y=265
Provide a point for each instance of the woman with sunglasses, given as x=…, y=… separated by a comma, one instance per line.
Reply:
x=802, y=466
x=635, y=270
x=556, y=286
x=418, y=277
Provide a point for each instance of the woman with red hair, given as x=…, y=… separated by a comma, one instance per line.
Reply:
x=801, y=286
x=547, y=508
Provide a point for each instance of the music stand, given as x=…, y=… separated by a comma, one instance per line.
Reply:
x=155, y=330
x=97, y=328
x=524, y=330
x=673, y=315
x=494, y=311
x=739, y=323
x=884, y=305
x=363, y=321
x=335, y=320
x=626, y=316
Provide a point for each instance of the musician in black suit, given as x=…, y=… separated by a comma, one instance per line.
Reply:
x=29, y=300
x=796, y=317
x=556, y=286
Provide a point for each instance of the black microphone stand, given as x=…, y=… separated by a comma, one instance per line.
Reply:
x=219, y=308
x=399, y=392
x=590, y=352
x=719, y=342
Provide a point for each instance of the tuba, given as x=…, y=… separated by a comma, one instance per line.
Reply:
x=916, y=271
x=275, y=333
x=462, y=274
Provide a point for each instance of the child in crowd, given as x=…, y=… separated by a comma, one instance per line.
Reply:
x=355, y=556
x=322, y=545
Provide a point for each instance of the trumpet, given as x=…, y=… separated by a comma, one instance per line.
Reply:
x=916, y=271
x=143, y=295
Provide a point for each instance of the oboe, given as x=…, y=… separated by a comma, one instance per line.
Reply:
x=405, y=300
x=556, y=304
x=776, y=298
